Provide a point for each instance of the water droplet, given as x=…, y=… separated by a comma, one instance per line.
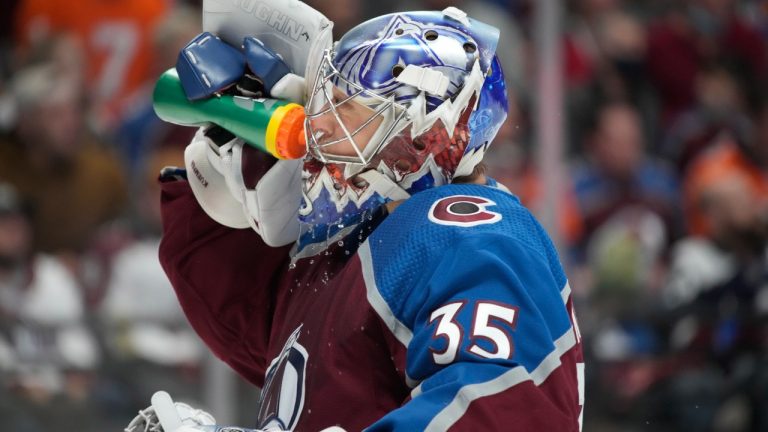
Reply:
x=311, y=261
x=292, y=266
x=341, y=243
x=362, y=328
x=346, y=252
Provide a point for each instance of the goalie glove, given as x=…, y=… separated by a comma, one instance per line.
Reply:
x=300, y=40
x=239, y=186
x=148, y=419
x=165, y=415
x=208, y=66
x=239, y=429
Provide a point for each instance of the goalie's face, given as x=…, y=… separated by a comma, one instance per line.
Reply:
x=346, y=122
x=340, y=128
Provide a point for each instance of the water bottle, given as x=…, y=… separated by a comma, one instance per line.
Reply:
x=271, y=125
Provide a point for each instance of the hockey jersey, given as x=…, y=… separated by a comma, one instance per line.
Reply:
x=451, y=313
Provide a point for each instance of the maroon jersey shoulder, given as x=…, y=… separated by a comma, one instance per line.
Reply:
x=222, y=277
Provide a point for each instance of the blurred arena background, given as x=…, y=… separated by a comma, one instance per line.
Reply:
x=638, y=132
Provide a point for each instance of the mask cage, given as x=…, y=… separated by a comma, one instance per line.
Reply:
x=322, y=102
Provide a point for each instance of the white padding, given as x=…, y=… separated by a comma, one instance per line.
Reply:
x=428, y=80
x=384, y=185
x=290, y=87
x=275, y=202
x=210, y=187
x=456, y=14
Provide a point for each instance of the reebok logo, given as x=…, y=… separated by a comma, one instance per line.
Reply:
x=274, y=18
x=199, y=176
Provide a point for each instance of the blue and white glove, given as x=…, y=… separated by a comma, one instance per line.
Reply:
x=208, y=66
x=239, y=429
x=164, y=415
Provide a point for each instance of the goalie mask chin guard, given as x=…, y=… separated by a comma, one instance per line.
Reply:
x=402, y=103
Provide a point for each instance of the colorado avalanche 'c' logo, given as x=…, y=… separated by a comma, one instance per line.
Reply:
x=463, y=211
x=282, y=398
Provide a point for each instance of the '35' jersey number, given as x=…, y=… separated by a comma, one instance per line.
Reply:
x=485, y=325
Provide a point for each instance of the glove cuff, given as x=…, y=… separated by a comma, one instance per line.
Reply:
x=210, y=186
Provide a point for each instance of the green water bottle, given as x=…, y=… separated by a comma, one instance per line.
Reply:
x=271, y=125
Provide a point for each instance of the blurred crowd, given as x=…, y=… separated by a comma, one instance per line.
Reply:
x=663, y=212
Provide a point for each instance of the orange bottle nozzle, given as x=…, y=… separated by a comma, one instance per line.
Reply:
x=290, y=142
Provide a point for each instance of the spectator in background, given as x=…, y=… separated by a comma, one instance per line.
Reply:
x=140, y=131
x=116, y=37
x=511, y=162
x=718, y=114
x=603, y=40
x=755, y=148
x=148, y=337
x=726, y=202
x=756, y=13
x=616, y=173
x=605, y=52
x=48, y=356
x=728, y=155
x=716, y=298
x=72, y=183
x=628, y=202
x=6, y=37
x=695, y=34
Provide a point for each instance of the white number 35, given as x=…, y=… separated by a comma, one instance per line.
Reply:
x=485, y=325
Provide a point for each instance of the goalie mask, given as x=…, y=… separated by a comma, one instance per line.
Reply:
x=402, y=103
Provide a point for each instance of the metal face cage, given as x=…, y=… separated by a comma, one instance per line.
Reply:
x=327, y=99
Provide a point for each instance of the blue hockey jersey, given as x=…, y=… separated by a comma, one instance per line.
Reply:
x=452, y=313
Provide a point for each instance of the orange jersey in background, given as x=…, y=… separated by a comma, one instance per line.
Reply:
x=116, y=35
x=714, y=165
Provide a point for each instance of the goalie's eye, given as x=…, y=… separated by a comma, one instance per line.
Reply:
x=338, y=97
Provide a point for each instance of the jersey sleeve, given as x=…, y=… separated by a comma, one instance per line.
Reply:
x=488, y=331
x=222, y=278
